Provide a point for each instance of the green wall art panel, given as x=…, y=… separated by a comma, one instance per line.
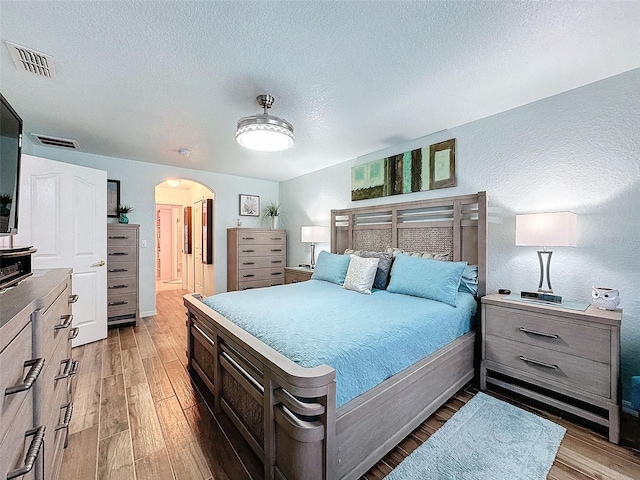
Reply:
x=426, y=168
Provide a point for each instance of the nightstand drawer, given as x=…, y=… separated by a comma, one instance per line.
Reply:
x=551, y=332
x=545, y=364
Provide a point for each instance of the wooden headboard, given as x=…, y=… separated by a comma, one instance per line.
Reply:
x=454, y=225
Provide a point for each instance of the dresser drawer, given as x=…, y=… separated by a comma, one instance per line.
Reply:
x=58, y=366
x=271, y=282
x=261, y=262
x=12, y=373
x=121, y=286
x=121, y=253
x=121, y=269
x=53, y=436
x=115, y=238
x=14, y=446
x=545, y=364
x=590, y=342
x=261, y=238
x=261, y=274
x=260, y=251
x=120, y=304
x=54, y=324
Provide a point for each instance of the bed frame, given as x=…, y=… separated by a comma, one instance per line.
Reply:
x=287, y=413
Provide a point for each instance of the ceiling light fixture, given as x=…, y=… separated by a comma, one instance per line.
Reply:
x=264, y=132
x=173, y=182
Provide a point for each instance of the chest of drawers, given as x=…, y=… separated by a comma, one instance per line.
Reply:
x=122, y=274
x=255, y=258
x=568, y=359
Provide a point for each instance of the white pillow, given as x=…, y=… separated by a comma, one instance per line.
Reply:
x=361, y=274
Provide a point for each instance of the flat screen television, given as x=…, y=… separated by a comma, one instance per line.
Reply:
x=10, y=150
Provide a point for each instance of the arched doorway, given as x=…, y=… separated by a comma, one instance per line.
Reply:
x=181, y=229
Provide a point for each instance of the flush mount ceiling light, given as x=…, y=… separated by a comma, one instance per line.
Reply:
x=264, y=132
x=172, y=182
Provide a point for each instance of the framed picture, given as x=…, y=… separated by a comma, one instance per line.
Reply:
x=442, y=164
x=113, y=197
x=249, y=205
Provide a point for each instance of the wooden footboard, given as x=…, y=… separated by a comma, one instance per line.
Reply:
x=287, y=413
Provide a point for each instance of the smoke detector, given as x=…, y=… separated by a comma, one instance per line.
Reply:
x=48, y=141
x=29, y=60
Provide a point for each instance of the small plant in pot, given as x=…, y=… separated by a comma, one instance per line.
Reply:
x=122, y=212
x=272, y=213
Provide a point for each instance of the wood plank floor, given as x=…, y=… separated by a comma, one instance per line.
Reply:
x=138, y=416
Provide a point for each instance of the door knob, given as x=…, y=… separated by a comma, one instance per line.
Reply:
x=99, y=264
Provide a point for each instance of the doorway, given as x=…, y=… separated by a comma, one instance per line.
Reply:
x=179, y=235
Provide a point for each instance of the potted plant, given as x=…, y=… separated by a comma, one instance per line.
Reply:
x=122, y=212
x=272, y=213
x=5, y=201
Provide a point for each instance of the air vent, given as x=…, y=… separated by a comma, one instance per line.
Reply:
x=31, y=61
x=56, y=142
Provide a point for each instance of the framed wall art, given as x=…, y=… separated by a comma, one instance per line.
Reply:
x=249, y=205
x=113, y=198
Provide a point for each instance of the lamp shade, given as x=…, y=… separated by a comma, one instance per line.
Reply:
x=264, y=132
x=314, y=234
x=557, y=229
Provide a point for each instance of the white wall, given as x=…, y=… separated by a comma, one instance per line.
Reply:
x=577, y=151
x=137, y=188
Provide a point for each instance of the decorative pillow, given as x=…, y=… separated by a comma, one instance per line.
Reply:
x=426, y=278
x=361, y=273
x=331, y=267
x=384, y=265
x=433, y=255
x=469, y=280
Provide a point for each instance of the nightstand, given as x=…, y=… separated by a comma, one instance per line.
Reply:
x=568, y=359
x=297, y=274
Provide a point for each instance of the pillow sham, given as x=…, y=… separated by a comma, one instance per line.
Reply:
x=426, y=278
x=361, y=273
x=331, y=267
x=433, y=255
x=469, y=280
x=384, y=265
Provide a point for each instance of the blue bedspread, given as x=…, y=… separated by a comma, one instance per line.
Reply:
x=365, y=338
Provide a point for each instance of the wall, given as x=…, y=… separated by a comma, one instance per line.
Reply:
x=137, y=188
x=577, y=151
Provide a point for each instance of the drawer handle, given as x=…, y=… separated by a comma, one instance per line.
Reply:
x=248, y=263
x=116, y=254
x=73, y=299
x=36, y=367
x=117, y=286
x=248, y=275
x=276, y=273
x=121, y=302
x=535, y=332
x=248, y=288
x=247, y=251
x=118, y=237
x=73, y=333
x=32, y=453
x=276, y=249
x=276, y=261
x=71, y=368
x=67, y=416
x=68, y=318
x=276, y=238
x=113, y=270
x=538, y=362
x=248, y=238
x=294, y=281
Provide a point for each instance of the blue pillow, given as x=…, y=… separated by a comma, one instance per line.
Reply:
x=426, y=278
x=469, y=280
x=331, y=267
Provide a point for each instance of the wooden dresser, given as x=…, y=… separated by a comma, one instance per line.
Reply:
x=123, y=252
x=568, y=359
x=36, y=367
x=255, y=258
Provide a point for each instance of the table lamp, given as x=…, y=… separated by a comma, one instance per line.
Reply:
x=544, y=230
x=314, y=234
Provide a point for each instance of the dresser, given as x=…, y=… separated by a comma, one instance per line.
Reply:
x=123, y=252
x=297, y=274
x=255, y=258
x=568, y=359
x=36, y=366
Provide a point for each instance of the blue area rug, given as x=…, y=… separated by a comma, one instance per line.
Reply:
x=486, y=439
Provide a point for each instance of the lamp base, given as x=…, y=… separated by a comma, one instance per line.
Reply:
x=543, y=297
x=544, y=272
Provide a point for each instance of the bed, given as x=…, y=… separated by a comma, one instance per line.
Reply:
x=291, y=413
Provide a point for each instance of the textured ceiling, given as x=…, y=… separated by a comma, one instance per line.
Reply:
x=141, y=80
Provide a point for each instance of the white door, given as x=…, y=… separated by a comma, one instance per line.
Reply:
x=63, y=212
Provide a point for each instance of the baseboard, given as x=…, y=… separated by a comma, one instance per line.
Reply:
x=150, y=313
x=627, y=408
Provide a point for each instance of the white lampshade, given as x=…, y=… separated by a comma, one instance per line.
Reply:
x=314, y=234
x=547, y=229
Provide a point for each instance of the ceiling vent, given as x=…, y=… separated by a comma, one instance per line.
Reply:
x=31, y=61
x=56, y=142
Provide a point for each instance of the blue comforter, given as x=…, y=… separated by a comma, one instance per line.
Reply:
x=365, y=338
